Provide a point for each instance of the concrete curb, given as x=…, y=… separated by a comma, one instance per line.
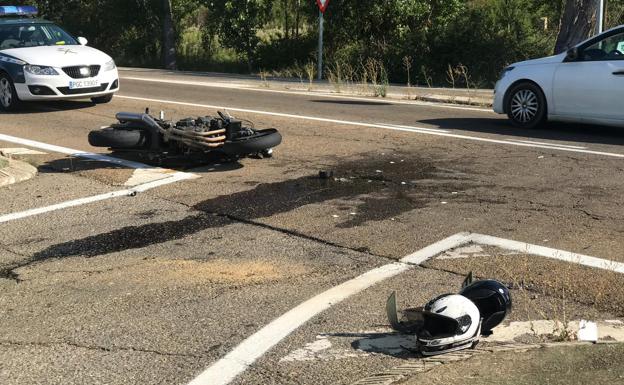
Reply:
x=458, y=96
x=403, y=372
x=16, y=171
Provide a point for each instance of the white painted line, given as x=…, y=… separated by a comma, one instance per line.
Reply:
x=437, y=248
x=96, y=198
x=247, y=352
x=64, y=205
x=548, y=252
x=413, y=128
x=550, y=144
x=374, y=125
x=83, y=154
x=240, y=86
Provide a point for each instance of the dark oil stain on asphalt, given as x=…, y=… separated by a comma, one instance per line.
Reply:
x=381, y=187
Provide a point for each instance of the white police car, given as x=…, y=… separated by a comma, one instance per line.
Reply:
x=40, y=61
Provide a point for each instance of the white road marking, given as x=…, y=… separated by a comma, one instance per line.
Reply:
x=247, y=352
x=550, y=144
x=422, y=130
x=548, y=252
x=96, y=198
x=78, y=153
x=167, y=177
x=411, y=128
x=245, y=87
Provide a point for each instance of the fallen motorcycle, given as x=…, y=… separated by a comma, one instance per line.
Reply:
x=157, y=138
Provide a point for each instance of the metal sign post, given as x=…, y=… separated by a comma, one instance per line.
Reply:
x=320, y=48
x=322, y=4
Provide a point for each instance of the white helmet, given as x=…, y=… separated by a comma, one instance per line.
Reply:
x=450, y=322
x=447, y=323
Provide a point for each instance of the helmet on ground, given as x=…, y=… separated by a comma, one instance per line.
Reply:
x=493, y=300
x=450, y=322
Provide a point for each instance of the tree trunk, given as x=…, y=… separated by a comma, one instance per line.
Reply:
x=169, y=47
x=577, y=23
x=297, y=19
x=286, y=12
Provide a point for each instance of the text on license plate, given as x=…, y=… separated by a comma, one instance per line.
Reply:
x=83, y=84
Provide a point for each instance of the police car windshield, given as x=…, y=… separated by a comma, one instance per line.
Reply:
x=33, y=35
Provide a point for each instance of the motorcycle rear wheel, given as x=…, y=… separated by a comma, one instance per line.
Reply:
x=118, y=138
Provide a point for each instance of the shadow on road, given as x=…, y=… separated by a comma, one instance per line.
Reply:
x=46, y=107
x=569, y=132
x=376, y=195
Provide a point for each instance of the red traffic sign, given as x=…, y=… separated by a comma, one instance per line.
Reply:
x=322, y=4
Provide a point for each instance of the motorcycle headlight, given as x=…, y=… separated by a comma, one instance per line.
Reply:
x=40, y=70
x=109, y=66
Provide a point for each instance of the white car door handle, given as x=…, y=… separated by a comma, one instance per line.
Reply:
x=619, y=73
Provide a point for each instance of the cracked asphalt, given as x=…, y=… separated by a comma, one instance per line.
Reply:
x=154, y=288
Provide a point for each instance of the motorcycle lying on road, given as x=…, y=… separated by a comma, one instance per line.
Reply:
x=203, y=137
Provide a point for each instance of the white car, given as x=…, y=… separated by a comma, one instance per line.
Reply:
x=585, y=84
x=40, y=61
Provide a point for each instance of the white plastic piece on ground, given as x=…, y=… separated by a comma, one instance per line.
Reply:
x=20, y=151
x=588, y=331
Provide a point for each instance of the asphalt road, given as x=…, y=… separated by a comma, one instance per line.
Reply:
x=154, y=288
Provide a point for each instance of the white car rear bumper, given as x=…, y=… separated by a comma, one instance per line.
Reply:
x=57, y=87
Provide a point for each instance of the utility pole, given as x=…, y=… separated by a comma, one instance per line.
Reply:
x=600, y=17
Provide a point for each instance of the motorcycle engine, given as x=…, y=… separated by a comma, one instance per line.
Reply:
x=234, y=129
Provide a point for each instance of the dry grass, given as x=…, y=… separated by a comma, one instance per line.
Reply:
x=548, y=289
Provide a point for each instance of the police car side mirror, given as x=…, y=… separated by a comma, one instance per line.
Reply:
x=82, y=40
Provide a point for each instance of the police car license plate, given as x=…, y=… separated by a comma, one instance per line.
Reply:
x=83, y=84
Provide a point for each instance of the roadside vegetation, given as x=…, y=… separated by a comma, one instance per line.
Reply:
x=451, y=43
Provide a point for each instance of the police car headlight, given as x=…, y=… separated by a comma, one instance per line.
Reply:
x=40, y=70
x=109, y=66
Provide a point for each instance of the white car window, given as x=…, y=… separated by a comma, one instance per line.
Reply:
x=610, y=48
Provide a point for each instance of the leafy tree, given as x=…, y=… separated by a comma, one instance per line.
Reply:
x=238, y=22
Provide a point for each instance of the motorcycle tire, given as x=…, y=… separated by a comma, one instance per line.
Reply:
x=118, y=138
x=262, y=140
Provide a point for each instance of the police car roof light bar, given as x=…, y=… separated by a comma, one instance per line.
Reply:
x=18, y=10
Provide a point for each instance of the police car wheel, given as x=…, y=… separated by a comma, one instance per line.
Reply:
x=102, y=99
x=8, y=97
